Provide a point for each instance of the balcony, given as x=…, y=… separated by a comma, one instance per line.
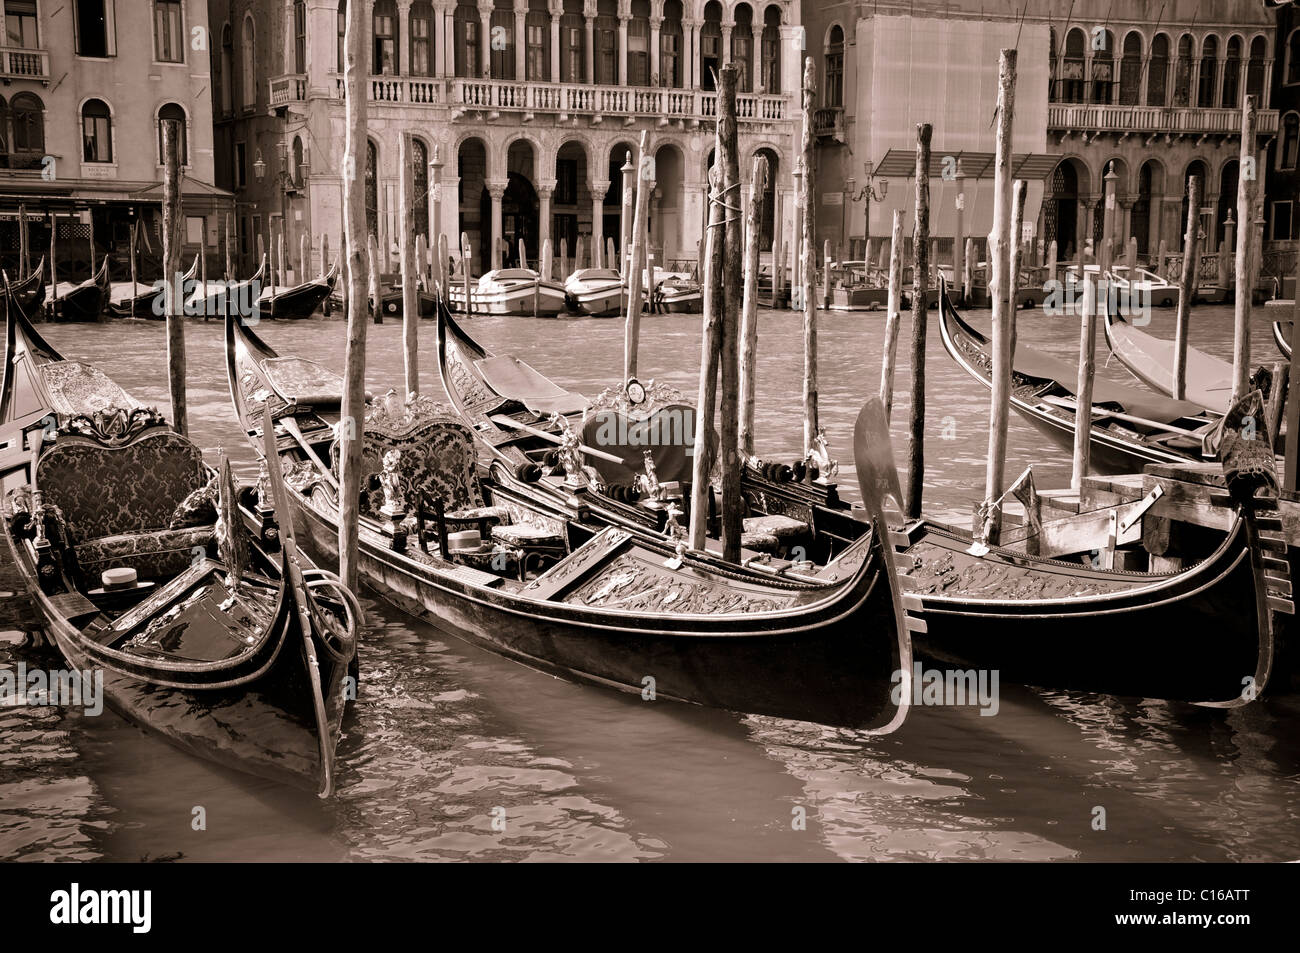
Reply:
x=284, y=90
x=1152, y=121
x=828, y=123
x=601, y=102
x=21, y=63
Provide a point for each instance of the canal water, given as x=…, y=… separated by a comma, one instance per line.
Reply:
x=447, y=738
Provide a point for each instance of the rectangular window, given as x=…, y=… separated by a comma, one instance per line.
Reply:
x=168, y=46
x=606, y=50
x=741, y=51
x=571, y=60
x=96, y=135
x=20, y=24
x=420, y=47
x=1282, y=221
x=473, y=67
x=385, y=47
x=241, y=165
x=503, y=36
x=670, y=45
x=300, y=37
x=194, y=226
x=538, y=68
x=566, y=182
x=93, y=28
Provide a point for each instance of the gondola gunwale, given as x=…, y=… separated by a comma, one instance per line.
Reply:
x=1161, y=386
x=142, y=305
x=93, y=289
x=1279, y=338
x=314, y=292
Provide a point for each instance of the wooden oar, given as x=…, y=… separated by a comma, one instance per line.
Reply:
x=1068, y=404
x=293, y=573
x=504, y=421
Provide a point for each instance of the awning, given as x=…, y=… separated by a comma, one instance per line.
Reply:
x=901, y=163
x=190, y=188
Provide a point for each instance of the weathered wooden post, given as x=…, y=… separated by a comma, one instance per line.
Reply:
x=636, y=258
x=893, y=314
x=171, y=268
x=203, y=268
x=1083, y=390
x=1186, y=287
x=826, y=273
x=1105, y=258
x=920, y=272
x=749, y=307
x=710, y=355
x=230, y=247
x=54, y=277
x=1018, y=190
x=625, y=213
x=807, y=267
x=732, y=280
x=1248, y=178
x=135, y=270
x=410, y=300
x=304, y=243
x=464, y=258
x=958, y=237
x=352, y=421
x=1002, y=293
x=968, y=276
x=1291, y=452
x=372, y=274
x=261, y=252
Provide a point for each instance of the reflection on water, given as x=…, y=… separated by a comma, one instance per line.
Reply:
x=455, y=754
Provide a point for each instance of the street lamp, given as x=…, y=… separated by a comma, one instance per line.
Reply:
x=284, y=182
x=866, y=195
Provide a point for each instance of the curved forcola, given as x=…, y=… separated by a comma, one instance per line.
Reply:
x=214, y=301
x=1127, y=299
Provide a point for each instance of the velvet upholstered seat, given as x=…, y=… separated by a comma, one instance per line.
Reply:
x=117, y=501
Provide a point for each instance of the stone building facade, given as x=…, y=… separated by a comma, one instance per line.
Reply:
x=88, y=86
x=520, y=115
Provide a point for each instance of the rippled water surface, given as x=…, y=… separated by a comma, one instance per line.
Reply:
x=447, y=737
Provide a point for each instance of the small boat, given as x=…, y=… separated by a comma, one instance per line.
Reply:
x=215, y=635
x=1151, y=360
x=300, y=301
x=392, y=306
x=678, y=294
x=81, y=302
x=30, y=291
x=514, y=291
x=855, y=288
x=598, y=292
x=1145, y=287
x=627, y=610
x=1130, y=428
x=141, y=300
x=1282, y=337
x=219, y=298
x=1201, y=635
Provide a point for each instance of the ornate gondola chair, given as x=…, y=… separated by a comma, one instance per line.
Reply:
x=419, y=464
x=117, y=479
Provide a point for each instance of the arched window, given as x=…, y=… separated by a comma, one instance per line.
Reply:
x=96, y=132
x=1209, y=68
x=421, y=62
x=503, y=26
x=372, y=188
x=770, y=79
x=28, y=115
x=172, y=115
x=299, y=37
x=298, y=155
x=1072, y=67
x=711, y=45
x=573, y=42
x=467, y=47
x=249, y=62
x=1130, y=70
x=638, y=44
x=227, y=84
x=1158, y=77
x=835, y=68
x=670, y=45
x=1103, y=69
x=168, y=39
x=420, y=180
x=341, y=60
x=537, y=35
x=1052, y=89
x=606, y=30
x=1232, y=75
x=384, y=30
x=742, y=46
x=1293, y=58
x=1255, y=69
x=1286, y=157
x=1183, y=71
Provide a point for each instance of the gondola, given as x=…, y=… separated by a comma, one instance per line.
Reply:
x=392, y=305
x=30, y=291
x=83, y=302
x=219, y=298
x=1151, y=360
x=1130, y=429
x=300, y=301
x=140, y=300
x=216, y=635
x=1202, y=635
x=1282, y=338
x=628, y=610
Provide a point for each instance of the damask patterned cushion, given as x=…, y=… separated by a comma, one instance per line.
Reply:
x=522, y=534
x=197, y=509
x=106, y=491
x=760, y=542
x=498, y=513
x=154, y=555
x=782, y=527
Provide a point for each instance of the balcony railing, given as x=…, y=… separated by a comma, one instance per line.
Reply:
x=21, y=63
x=1154, y=119
x=287, y=89
x=829, y=122
x=615, y=101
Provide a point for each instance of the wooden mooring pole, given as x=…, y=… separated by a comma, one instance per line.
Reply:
x=710, y=353
x=1248, y=180
x=171, y=268
x=893, y=316
x=410, y=301
x=749, y=307
x=1083, y=390
x=1186, y=287
x=807, y=253
x=920, y=274
x=732, y=281
x=636, y=258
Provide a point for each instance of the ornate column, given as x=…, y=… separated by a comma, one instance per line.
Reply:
x=521, y=45
x=545, y=192
x=598, y=190
x=725, y=54
x=1222, y=67
x=589, y=14
x=444, y=25
x=623, y=17
x=485, y=37
x=1268, y=83
x=557, y=8
x=497, y=191
x=435, y=197
x=690, y=50
x=655, y=23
